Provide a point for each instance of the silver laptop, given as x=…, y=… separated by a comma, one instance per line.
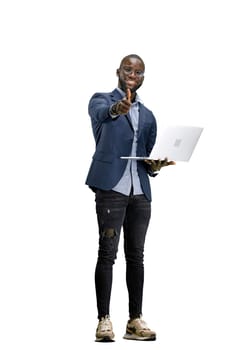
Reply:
x=175, y=143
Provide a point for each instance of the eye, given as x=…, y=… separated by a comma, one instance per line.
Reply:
x=139, y=73
x=127, y=69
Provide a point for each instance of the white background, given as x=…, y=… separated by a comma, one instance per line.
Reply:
x=54, y=56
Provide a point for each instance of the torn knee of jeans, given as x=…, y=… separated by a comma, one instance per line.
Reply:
x=109, y=232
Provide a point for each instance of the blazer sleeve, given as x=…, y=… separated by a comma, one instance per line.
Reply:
x=98, y=109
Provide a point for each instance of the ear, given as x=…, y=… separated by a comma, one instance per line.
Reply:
x=118, y=72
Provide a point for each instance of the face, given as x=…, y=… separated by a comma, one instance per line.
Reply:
x=130, y=74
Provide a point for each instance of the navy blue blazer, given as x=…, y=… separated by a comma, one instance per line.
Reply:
x=114, y=138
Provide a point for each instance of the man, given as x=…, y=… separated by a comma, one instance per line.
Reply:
x=122, y=126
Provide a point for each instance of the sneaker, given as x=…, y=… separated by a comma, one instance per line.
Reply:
x=104, y=332
x=137, y=329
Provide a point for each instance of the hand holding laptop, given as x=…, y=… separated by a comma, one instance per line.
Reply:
x=157, y=164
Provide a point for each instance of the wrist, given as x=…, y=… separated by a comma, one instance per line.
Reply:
x=114, y=109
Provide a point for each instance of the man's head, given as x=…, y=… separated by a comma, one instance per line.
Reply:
x=131, y=73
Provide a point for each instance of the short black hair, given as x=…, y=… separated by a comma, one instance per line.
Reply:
x=132, y=55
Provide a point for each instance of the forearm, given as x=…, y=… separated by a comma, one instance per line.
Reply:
x=98, y=109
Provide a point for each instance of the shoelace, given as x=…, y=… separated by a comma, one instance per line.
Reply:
x=104, y=324
x=142, y=323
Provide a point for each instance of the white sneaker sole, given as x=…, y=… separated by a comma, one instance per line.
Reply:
x=137, y=337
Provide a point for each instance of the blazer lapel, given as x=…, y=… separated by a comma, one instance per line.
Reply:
x=127, y=116
x=141, y=120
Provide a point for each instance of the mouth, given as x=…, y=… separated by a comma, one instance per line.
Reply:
x=130, y=83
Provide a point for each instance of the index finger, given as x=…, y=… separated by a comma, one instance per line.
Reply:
x=171, y=162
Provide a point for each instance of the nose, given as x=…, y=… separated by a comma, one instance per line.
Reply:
x=132, y=73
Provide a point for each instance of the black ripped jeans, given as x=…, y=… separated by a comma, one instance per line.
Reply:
x=114, y=211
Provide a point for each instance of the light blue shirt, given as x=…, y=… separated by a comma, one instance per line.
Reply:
x=130, y=178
